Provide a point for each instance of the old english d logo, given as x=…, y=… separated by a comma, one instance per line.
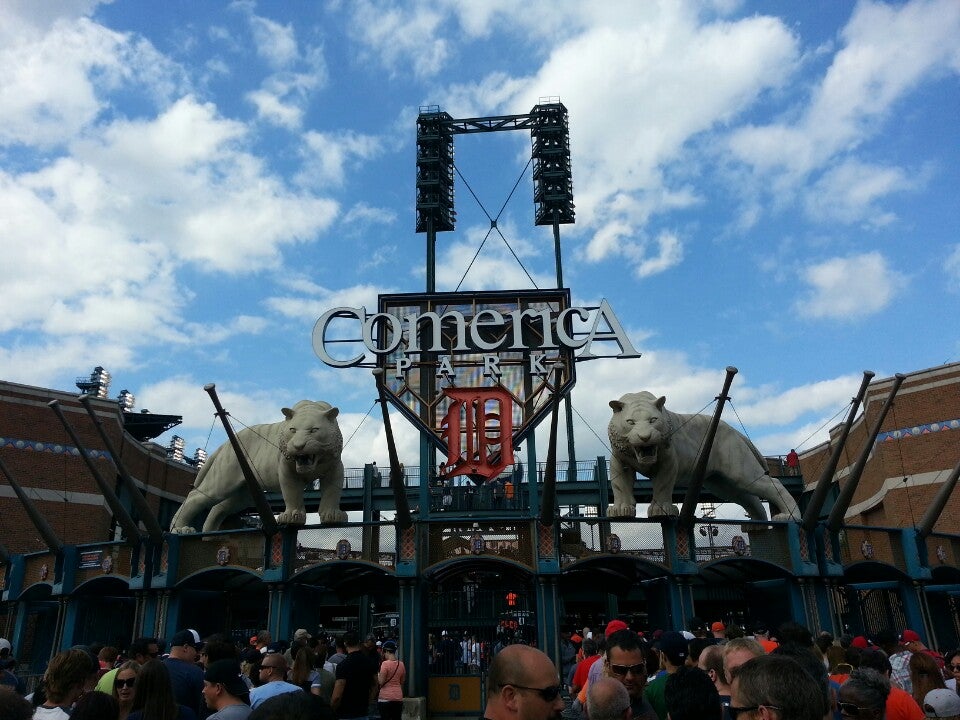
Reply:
x=478, y=431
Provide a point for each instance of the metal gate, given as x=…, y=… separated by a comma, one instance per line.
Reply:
x=864, y=611
x=471, y=615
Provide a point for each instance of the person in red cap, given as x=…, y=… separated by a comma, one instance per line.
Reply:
x=719, y=631
x=613, y=626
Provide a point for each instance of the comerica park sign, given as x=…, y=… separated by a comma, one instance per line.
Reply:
x=487, y=330
x=475, y=371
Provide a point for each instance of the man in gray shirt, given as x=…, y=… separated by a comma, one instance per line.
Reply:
x=225, y=692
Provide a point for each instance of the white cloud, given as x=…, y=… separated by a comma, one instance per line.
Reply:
x=849, y=288
x=952, y=268
x=669, y=253
x=364, y=215
x=888, y=50
x=849, y=193
x=272, y=109
x=275, y=43
x=328, y=156
x=402, y=40
x=314, y=300
x=55, y=84
x=46, y=362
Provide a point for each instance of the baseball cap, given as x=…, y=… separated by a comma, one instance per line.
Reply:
x=860, y=642
x=941, y=703
x=613, y=626
x=390, y=646
x=187, y=637
x=575, y=638
x=718, y=627
x=227, y=673
x=4, y=644
x=302, y=634
x=674, y=646
x=910, y=636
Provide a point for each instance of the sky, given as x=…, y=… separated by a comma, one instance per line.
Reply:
x=186, y=187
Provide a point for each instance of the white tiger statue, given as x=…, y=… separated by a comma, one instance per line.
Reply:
x=286, y=456
x=647, y=438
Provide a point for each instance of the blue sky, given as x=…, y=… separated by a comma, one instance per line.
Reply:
x=185, y=187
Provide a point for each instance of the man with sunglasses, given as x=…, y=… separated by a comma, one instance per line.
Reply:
x=773, y=687
x=273, y=670
x=523, y=684
x=625, y=661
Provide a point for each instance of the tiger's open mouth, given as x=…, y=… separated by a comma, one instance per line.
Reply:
x=646, y=454
x=305, y=463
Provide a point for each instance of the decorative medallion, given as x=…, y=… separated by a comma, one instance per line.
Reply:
x=866, y=547
x=941, y=553
x=477, y=544
x=223, y=555
x=343, y=549
x=739, y=545
x=44, y=571
x=613, y=543
x=107, y=564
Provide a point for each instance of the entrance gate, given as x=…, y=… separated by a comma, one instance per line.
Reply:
x=471, y=614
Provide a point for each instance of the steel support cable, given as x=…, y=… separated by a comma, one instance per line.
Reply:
x=493, y=224
x=903, y=474
x=473, y=260
x=827, y=422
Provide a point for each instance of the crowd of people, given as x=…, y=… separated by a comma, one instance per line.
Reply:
x=700, y=673
x=721, y=673
x=309, y=678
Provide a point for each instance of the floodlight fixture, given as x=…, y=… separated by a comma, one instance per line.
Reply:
x=552, y=174
x=435, y=171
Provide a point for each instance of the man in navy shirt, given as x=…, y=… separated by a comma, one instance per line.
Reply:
x=185, y=675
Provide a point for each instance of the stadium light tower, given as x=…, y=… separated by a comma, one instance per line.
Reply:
x=549, y=129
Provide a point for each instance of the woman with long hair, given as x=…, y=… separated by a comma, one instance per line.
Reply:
x=925, y=675
x=124, y=686
x=391, y=677
x=303, y=672
x=153, y=699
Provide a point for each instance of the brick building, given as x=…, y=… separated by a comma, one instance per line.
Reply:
x=915, y=452
x=42, y=457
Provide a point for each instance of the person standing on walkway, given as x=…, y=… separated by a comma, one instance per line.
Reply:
x=356, y=684
x=390, y=682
